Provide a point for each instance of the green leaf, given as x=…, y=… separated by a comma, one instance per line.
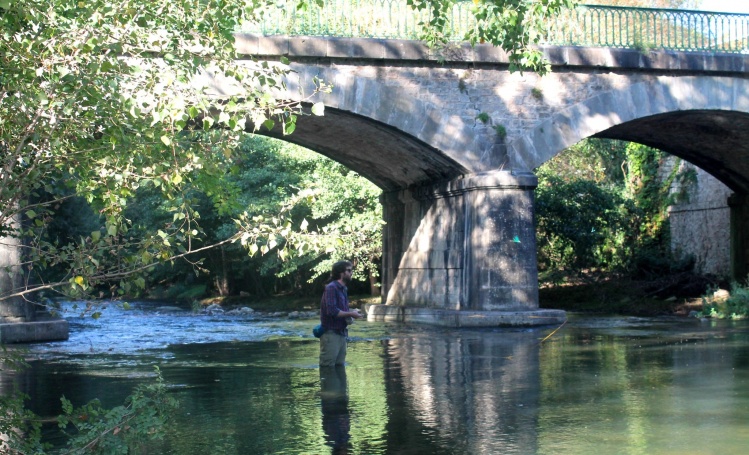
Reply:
x=318, y=109
x=165, y=139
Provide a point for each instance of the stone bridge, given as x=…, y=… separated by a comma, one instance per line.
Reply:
x=453, y=141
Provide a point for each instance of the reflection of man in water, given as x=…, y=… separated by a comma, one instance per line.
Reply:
x=336, y=421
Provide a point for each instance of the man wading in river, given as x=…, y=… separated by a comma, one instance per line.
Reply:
x=335, y=314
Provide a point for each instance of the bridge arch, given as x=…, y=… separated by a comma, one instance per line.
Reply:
x=389, y=157
x=704, y=120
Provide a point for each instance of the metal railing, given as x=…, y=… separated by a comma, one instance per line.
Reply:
x=586, y=25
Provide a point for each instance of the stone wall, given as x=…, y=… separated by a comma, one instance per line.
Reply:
x=465, y=113
x=14, y=309
x=701, y=226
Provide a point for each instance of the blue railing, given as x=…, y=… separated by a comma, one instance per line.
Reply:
x=586, y=25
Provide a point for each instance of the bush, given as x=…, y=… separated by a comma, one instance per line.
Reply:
x=578, y=222
x=90, y=428
x=734, y=306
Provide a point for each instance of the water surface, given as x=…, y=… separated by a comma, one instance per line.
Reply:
x=598, y=385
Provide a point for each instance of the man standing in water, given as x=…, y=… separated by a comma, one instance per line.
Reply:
x=335, y=314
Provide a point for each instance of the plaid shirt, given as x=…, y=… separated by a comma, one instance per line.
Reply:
x=334, y=300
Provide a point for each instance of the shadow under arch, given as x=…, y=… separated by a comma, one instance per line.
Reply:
x=716, y=141
x=388, y=157
x=704, y=120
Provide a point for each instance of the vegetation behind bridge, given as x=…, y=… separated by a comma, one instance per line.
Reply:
x=601, y=209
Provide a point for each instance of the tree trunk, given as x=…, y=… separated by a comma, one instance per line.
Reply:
x=222, y=281
x=374, y=289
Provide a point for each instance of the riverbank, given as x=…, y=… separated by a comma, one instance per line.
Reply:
x=668, y=295
x=676, y=294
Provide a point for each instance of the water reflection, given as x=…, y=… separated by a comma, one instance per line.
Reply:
x=336, y=419
x=470, y=391
x=620, y=385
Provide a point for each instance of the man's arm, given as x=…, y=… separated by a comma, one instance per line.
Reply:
x=349, y=314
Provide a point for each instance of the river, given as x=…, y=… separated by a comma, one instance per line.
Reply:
x=251, y=384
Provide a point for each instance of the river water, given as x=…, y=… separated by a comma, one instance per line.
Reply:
x=251, y=385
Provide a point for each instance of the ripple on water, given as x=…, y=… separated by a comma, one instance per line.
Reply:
x=144, y=327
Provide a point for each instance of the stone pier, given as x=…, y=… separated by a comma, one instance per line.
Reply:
x=462, y=253
x=20, y=322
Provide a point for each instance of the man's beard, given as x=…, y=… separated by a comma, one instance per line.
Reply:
x=346, y=279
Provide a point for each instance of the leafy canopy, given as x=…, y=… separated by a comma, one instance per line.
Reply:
x=101, y=97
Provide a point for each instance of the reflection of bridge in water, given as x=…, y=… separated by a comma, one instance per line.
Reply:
x=596, y=386
x=453, y=141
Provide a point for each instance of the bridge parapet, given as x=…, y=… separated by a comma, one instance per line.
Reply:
x=585, y=25
x=304, y=48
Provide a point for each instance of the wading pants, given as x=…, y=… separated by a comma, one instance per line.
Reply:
x=332, y=349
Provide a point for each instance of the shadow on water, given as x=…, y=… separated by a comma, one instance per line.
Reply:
x=599, y=385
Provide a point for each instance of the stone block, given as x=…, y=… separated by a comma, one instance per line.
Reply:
x=276, y=45
x=640, y=100
x=34, y=332
x=487, y=53
x=405, y=50
x=467, y=319
x=356, y=48
x=247, y=44
x=307, y=46
x=626, y=58
x=740, y=95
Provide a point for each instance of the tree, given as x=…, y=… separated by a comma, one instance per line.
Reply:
x=100, y=98
x=603, y=204
x=681, y=4
x=515, y=26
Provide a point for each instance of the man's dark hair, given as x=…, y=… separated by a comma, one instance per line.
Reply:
x=338, y=269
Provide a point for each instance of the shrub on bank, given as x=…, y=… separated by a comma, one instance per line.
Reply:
x=725, y=305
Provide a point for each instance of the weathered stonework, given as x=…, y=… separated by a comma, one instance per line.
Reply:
x=465, y=252
x=739, y=204
x=12, y=309
x=700, y=227
x=401, y=117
